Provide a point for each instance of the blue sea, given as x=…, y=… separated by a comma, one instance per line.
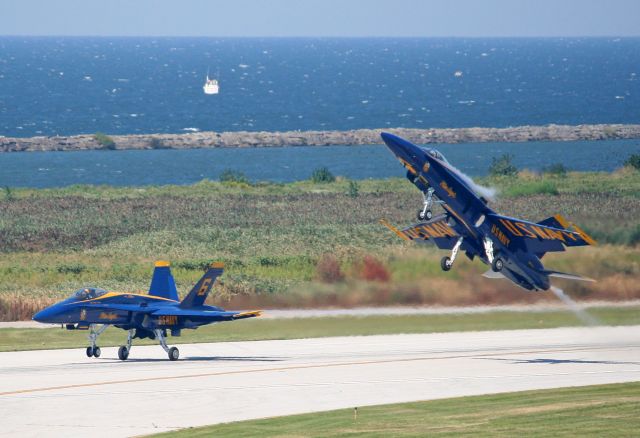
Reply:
x=66, y=86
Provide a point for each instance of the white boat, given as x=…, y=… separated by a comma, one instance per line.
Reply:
x=211, y=86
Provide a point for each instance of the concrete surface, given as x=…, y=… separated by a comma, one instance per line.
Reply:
x=64, y=393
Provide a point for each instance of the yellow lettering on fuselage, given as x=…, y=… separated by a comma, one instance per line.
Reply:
x=168, y=320
x=448, y=189
x=500, y=235
x=108, y=316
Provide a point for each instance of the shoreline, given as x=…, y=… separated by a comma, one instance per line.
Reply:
x=250, y=139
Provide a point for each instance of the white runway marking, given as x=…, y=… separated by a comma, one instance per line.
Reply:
x=62, y=392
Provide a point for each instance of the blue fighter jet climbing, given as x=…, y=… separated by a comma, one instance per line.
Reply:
x=142, y=315
x=511, y=247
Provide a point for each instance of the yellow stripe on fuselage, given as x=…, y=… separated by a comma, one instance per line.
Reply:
x=122, y=294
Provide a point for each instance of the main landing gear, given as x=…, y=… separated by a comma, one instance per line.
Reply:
x=496, y=262
x=93, y=350
x=426, y=213
x=173, y=352
x=123, y=351
x=447, y=262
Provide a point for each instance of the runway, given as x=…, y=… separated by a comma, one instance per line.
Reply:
x=64, y=393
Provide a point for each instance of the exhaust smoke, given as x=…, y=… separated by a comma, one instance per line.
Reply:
x=489, y=193
x=580, y=313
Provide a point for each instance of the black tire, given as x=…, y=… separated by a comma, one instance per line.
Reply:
x=123, y=352
x=497, y=264
x=89, y=352
x=96, y=352
x=174, y=353
x=420, y=216
x=445, y=263
x=429, y=215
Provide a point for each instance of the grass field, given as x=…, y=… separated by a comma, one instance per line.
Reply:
x=265, y=328
x=273, y=237
x=602, y=410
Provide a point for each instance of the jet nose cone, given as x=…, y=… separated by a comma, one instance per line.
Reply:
x=403, y=149
x=44, y=315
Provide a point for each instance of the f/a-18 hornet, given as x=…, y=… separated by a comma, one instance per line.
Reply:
x=511, y=247
x=143, y=316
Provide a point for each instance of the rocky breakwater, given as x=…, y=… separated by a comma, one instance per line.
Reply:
x=245, y=139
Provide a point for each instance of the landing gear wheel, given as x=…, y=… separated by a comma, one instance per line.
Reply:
x=96, y=352
x=123, y=352
x=497, y=264
x=427, y=215
x=89, y=351
x=174, y=353
x=445, y=263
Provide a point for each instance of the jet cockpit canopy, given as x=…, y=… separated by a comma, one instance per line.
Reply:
x=88, y=293
x=436, y=154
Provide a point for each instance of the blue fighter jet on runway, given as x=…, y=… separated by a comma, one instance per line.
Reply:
x=512, y=247
x=143, y=316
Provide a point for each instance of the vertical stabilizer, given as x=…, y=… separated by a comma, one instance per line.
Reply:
x=162, y=283
x=201, y=290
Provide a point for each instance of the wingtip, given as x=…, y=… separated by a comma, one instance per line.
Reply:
x=249, y=314
x=162, y=264
x=217, y=265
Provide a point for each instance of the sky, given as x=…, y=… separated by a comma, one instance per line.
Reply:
x=317, y=18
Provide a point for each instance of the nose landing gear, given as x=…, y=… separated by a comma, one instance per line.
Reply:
x=93, y=350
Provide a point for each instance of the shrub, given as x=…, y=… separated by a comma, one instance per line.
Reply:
x=105, y=141
x=557, y=169
x=75, y=268
x=8, y=194
x=633, y=161
x=233, y=176
x=503, y=166
x=322, y=175
x=354, y=189
x=328, y=269
x=372, y=269
x=157, y=143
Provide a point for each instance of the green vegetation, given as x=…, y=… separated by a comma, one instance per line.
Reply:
x=557, y=169
x=354, y=189
x=542, y=187
x=503, y=166
x=265, y=328
x=633, y=161
x=272, y=238
x=233, y=176
x=8, y=194
x=105, y=141
x=601, y=410
x=322, y=175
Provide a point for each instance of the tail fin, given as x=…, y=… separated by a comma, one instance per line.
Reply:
x=162, y=283
x=199, y=293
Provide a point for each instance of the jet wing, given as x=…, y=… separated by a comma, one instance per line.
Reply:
x=437, y=230
x=213, y=315
x=552, y=234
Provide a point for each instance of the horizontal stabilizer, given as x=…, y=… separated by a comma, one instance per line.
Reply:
x=494, y=275
x=436, y=230
x=559, y=274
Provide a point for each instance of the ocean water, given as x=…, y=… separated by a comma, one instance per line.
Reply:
x=285, y=164
x=65, y=86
